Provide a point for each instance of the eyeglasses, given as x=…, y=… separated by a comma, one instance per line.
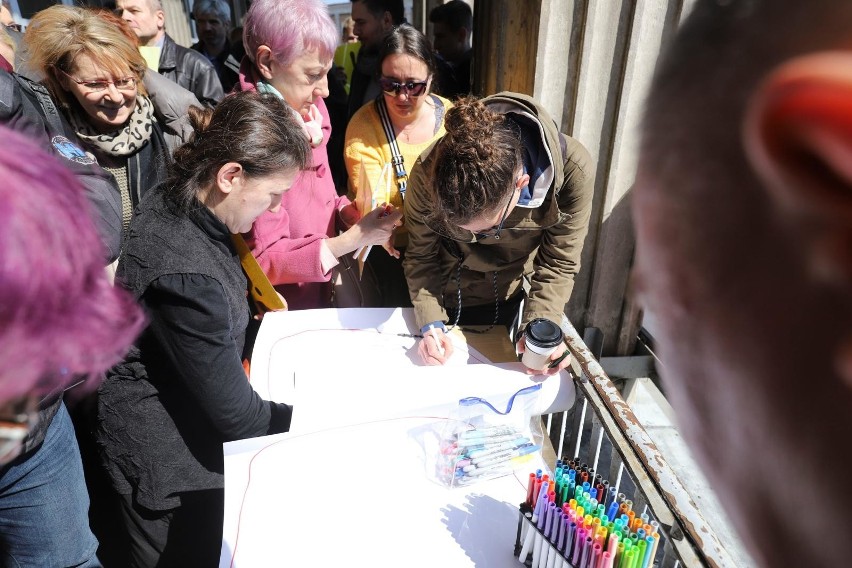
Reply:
x=97, y=85
x=495, y=230
x=411, y=88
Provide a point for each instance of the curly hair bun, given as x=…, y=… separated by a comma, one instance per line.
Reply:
x=470, y=125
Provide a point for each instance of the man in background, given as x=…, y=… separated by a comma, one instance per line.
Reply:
x=452, y=28
x=186, y=67
x=743, y=211
x=374, y=20
x=213, y=22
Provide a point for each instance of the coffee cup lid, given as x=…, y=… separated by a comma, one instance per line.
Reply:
x=544, y=333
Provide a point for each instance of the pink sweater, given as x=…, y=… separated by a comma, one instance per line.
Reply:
x=287, y=244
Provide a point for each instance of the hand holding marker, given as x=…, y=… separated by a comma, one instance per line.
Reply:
x=432, y=332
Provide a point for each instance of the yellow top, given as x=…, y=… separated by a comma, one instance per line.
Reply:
x=366, y=143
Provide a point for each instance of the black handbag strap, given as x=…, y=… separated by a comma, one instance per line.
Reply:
x=396, y=160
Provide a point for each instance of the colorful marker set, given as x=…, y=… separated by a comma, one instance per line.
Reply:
x=484, y=453
x=564, y=524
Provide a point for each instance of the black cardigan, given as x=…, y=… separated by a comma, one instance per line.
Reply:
x=164, y=413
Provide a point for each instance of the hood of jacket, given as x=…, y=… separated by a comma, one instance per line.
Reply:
x=528, y=111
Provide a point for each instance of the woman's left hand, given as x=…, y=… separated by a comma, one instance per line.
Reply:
x=388, y=246
x=555, y=356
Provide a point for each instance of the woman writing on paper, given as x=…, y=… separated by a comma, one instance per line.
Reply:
x=502, y=198
x=415, y=119
x=290, y=44
x=164, y=412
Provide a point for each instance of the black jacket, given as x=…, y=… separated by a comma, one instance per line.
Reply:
x=190, y=70
x=226, y=64
x=26, y=106
x=164, y=412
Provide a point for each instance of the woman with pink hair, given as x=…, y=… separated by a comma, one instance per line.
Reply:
x=61, y=321
x=289, y=50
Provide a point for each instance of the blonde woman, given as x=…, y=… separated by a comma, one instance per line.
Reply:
x=94, y=71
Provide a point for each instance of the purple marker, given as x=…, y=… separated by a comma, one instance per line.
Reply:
x=563, y=530
x=551, y=512
x=579, y=539
x=539, y=540
x=569, y=538
x=556, y=516
x=587, y=551
x=530, y=537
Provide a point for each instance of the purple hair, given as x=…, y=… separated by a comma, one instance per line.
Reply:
x=59, y=314
x=289, y=28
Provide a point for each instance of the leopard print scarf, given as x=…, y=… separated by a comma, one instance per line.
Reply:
x=125, y=141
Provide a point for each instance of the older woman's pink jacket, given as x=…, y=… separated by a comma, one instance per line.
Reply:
x=287, y=244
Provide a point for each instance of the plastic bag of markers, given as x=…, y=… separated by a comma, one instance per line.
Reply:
x=488, y=438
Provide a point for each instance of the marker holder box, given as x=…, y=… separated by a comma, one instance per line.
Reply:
x=536, y=549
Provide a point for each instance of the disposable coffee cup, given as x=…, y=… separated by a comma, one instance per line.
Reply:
x=542, y=338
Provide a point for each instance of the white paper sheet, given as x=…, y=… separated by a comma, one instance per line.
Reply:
x=348, y=484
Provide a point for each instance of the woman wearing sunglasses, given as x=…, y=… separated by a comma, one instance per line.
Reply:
x=94, y=71
x=503, y=197
x=413, y=120
x=290, y=45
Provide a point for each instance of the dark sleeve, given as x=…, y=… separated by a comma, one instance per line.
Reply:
x=208, y=87
x=22, y=112
x=189, y=322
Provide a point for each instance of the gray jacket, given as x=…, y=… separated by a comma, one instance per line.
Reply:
x=171, y=102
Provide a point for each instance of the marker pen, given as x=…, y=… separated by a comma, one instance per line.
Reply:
x=497, y=448
x=539, y=540
x=579, y=539
x=570, y=537
x=641, y=549
x=431, y=332
x=529, y=540
x=596, y=555
x=613, y=542
x=613, y=511
x=530, y=489
x=586, y=552
x=656, y=537
x=465, y=445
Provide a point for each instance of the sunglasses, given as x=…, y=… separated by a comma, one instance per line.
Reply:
x=411, y=88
